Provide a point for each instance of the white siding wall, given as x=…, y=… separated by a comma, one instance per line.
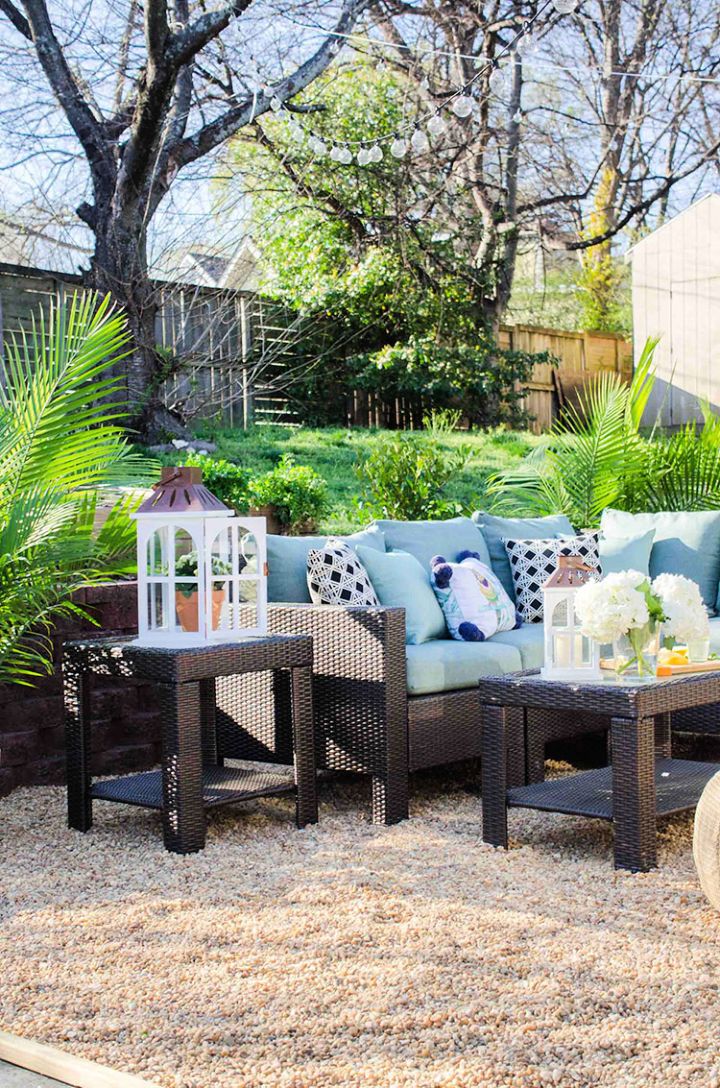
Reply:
x=676, y=294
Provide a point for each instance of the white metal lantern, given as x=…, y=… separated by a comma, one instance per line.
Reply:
x=202, y=573
x=569, y=654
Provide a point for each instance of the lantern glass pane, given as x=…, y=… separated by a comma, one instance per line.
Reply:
x=187, y=615
x=157, y=618
x=223, y=593
x=248, y=549
x=184, y=545
x=560, y=614
x=157, y=552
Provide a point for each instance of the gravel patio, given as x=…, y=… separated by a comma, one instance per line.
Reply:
x=354, y=955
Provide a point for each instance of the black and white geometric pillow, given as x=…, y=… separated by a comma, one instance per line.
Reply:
x=533, y=561
x=335, y=575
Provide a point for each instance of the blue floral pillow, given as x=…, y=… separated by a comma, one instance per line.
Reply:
x=473, y=600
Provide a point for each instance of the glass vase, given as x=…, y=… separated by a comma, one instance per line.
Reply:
x=636, y=652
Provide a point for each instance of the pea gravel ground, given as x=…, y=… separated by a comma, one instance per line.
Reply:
x=352, y=955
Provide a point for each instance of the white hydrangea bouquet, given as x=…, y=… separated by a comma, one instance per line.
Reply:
x=686, y=617
x=624, y=609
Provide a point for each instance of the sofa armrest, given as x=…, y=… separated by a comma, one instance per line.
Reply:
x=359, y=693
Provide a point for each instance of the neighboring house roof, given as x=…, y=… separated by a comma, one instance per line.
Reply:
x=206, y=267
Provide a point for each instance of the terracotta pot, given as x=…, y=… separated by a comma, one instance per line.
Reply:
x=186, y=609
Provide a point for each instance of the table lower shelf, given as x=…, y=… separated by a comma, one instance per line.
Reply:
x=221, y=786
x=678, y=785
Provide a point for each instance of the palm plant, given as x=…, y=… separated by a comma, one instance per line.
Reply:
x=62, y=450
x=593, y=457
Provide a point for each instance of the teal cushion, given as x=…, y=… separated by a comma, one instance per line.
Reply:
x=528, y=640
x=400, y=582
x=425, y=539
x=495, y=529
x=715, y=635
x=446, y=665
x=685, y=543
x=626, y=552
x=287, y=562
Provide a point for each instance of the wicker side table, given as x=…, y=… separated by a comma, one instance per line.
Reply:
x=192, y=778
x=643, y=781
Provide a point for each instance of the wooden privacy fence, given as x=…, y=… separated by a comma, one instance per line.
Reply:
x=580, y=356
x=234, y=353
x=230, y=352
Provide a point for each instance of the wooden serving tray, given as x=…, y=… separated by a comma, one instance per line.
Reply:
x=671, y=670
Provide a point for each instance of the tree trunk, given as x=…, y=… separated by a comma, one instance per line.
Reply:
x=119, y=268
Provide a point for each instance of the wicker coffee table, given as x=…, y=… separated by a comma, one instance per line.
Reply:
x=192, y=777
x=643, y=781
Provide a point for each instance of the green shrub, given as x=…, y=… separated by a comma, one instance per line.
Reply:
x=228, y=481
x=297, y=492
x=406, y=473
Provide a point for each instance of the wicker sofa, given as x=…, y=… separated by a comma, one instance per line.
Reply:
x=383, y=708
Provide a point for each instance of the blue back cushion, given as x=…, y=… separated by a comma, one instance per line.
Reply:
x=685, y=543
x=426, y=539
x=287, y=562
x=619, y=553
x=495, y=529
x=401, y=582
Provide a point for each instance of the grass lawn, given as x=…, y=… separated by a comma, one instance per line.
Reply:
x=333, y=452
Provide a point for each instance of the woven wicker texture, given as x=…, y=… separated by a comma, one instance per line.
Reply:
x=633, y=792
x=192, y=776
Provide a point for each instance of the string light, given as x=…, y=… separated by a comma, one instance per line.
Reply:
x=398, y=148
x=496, y=82
x=462, y=106
x=436, y=125
x=363, y=156
x=565, y=7
x=419, y=142
x=376, y=153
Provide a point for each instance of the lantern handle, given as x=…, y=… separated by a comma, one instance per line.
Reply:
x=572, y=562
x=168, y=480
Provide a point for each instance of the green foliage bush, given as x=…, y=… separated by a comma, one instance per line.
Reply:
x=228, y=481
x=297, y=492
x=405, y=475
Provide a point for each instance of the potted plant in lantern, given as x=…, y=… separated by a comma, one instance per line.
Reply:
x=186, y=592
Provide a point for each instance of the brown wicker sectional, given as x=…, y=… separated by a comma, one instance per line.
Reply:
x=365, y=719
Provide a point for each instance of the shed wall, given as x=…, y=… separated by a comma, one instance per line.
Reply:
x=676, y=295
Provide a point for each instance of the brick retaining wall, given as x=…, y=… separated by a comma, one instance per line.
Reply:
x=126, y=731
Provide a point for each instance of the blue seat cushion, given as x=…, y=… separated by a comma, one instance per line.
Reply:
x=685, y=543
x=528, y=640
x=447, y=665
x=426, y=539
x=287, y=562
x=497, y=529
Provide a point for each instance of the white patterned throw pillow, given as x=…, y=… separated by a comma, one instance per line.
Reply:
x=335, y=575
x=472, y=598
x=533, y=561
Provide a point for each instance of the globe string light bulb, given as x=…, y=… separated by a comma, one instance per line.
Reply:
x=375, y=153
x=565, y=7
x=335, y=153
x=436, y=125
x=275, y=103
x=345, y=156
x=317, y=145
x=462, y=106
x=517, y=117
x=497, y=81
x=363, y=157
x=398, y=148
x=419, y=142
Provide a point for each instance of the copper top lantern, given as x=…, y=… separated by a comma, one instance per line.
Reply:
x=201, y=570
x=569, y=654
